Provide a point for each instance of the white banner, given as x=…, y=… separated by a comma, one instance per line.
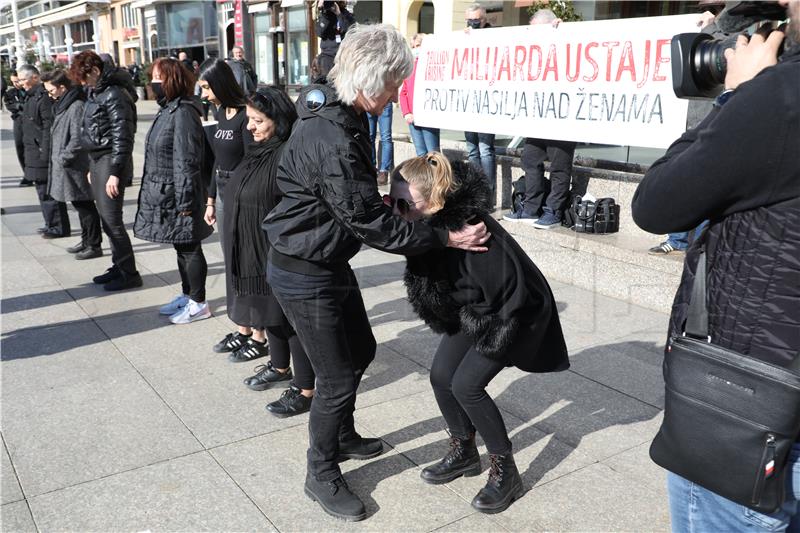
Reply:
x=605, y=82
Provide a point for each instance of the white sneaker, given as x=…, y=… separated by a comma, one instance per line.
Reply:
x=177, y=303
x=192, y=312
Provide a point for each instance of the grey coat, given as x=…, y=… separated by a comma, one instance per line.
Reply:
x=69, y=161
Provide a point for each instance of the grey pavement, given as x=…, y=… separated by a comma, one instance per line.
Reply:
x=115, y=420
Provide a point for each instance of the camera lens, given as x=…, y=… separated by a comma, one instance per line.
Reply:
x=709, y=63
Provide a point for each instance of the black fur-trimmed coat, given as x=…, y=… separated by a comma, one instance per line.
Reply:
x=496, y=297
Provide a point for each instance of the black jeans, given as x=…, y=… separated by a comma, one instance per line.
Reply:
x=18, y=144
x=328, y=313
x=459, y=376
x=56, y=218
x=284, y=344
x=110, y=210
x=91, y=234
x=193, y=268
x=539, y=193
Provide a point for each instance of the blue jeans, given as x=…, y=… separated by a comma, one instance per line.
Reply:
x=694, y=509
x=425, y=139
x=680, y=241
x=480, y=148
x=384, y=122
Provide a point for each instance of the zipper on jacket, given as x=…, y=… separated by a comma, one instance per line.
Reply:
x=766, y=467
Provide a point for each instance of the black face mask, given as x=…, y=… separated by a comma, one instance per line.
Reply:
x=475, y=24
x=158, y=90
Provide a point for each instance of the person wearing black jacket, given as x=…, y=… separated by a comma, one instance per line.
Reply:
x=37, y=119
x=740, y=169
x=109, y=126
x=329, y=208
x=14, y=99
x=333, y=21
x=493, y=310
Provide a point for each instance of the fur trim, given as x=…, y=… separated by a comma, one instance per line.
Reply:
x=469, y=200
x=492, y=334
x=429, y=295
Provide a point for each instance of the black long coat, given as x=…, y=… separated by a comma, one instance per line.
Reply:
x=495, y=298
x=173, y=178
x=37, y=119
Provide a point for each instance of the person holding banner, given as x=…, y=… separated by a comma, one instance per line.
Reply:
x=425, y=139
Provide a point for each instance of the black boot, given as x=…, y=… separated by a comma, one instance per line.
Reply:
x=336, y=499
x=463, y=459
x=504, y=486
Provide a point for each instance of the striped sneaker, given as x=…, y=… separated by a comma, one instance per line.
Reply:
x=663, y=249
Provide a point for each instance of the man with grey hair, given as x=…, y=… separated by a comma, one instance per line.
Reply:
x=545, y=16
x=242, y=69
x=329, y=208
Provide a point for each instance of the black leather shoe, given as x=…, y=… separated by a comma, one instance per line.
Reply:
x=251, y=350
x=50, y=234
x=462, y=459
x=124, y=282
x=360, y=448
x=231, y=343
x=503, y=487
x=266, y=376
x=336, y=499
x=291, y=403
x=109, y=275
x=25, y=183
x=89, y=253
x=77, y=248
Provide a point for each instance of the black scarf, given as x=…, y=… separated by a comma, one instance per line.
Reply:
x=66, y=100
x=253, y=200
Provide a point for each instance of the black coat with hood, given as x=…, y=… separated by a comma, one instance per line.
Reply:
x=495, y=298
x=330, y=202
x=37, y=120
x=173, y=179
x=109, y=120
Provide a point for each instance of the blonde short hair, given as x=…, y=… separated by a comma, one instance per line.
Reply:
x=370, y=58
x=431, y=174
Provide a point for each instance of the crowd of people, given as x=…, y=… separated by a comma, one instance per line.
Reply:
x=292, y=189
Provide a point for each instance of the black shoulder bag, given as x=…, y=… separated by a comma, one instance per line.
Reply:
x=729, y=420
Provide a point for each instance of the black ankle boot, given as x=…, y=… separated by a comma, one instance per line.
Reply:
x=504, y=486
x=336, y=498
x=463, y=459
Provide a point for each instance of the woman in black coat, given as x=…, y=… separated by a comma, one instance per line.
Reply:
x=494, y=309
x=173, y=195
x=251, y=194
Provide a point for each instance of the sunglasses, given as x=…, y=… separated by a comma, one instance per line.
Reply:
x=403, y=205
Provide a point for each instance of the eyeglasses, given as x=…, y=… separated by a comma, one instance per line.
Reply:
x=403, y=205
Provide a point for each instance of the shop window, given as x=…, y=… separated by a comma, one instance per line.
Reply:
x=264, y=56
x=298, y=43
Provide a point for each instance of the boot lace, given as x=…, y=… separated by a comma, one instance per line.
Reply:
x=455, y=451
x=337, y=484
x=495, y=469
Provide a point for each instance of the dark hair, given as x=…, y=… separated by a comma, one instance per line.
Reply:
x=222, y=82
x=83, y=64
x=274, y=103
x=57, y=77
x=176, y=79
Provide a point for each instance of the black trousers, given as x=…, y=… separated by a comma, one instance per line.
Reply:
x=284, y=345
x=193, y=268
x=18, y=144
x=91, y=234
x=56, y=218
x=539, y=193
x=328, y=314
x=110, y=210
x=459, y=376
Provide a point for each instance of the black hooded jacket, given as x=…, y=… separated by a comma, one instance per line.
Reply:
x=330, y=203
x=494, y=298
x=109, y=120
x=37, y=119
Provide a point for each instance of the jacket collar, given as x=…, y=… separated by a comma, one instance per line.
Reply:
x=333, y=108
x=67, y=99
x=469, y=200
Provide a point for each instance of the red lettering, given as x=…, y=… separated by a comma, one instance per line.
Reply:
x=571, y=77
x=505, y=65
x=610, y=45
x=660, y=59
x=626, y=62
x=534, y=48
x=591, y=61
x=646, y=72
x=519, y=62
x=458, y=70
x=552, y=63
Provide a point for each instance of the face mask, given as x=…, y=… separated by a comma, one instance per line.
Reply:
x=415, y=52
x=475, y=24
x=158, y=90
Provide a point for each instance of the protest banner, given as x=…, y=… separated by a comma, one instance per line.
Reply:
x=606, y=82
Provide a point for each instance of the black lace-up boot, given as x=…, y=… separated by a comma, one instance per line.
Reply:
x=504, y=486
x=336, y=498
x=461, y=460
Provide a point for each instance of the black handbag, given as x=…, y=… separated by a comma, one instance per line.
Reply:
x=606, y=218
x=729, y=420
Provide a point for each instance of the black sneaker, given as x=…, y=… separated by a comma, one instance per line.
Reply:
x=266, y=376
x=89, y=253
x=77, y=248
x=124, y=282
x=360, y=448
x=251, y=350
x=665, y=248
x=336, y=498
x=25, y=183
x=231, y=342
x=291, y=403
x=54, y=234
x=110, y=275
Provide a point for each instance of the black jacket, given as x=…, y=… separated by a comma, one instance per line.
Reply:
x=173, y=178
x=37, y=119
x=14, y=100
x=329, y=26
x=495, y=297
x=740, y=169
x=109, y=120
x=330, y=203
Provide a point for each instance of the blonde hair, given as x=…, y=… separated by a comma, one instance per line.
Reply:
x=431, y=174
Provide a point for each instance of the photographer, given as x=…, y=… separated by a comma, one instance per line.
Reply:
x=740, y=169
x=333, y=22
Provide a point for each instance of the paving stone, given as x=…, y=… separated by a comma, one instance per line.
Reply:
x=40, y=305
x=636, y=465
x=25, y=274
x=477, y=523
x=44, y=341
x=390, y=376
x=187, y=494
x=9, y=486
x=60, y=437
x=16, y=518
x=389, y=485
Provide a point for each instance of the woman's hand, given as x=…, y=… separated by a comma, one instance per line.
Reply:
x=112, y=187
x=211, y=215
x=470, y=238
x=409, y=118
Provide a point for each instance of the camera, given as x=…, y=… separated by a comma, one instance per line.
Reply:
x=698, y=59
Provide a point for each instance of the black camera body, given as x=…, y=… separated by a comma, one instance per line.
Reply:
x=698, y=59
